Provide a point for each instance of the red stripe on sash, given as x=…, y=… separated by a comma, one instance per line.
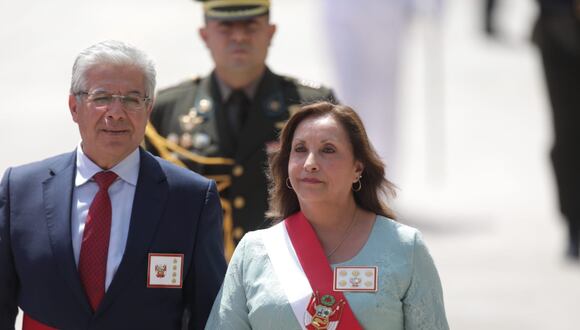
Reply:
x=29, y=323
x=315, y=265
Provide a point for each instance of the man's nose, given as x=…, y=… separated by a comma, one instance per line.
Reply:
x=239, y=34
x=116, y=109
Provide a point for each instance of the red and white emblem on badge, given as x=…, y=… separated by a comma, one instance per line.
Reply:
x=160, y=270
x=165, y=270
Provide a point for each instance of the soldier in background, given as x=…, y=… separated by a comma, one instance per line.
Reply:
x=366, y=38
x=223, y=125
x=490, y=18
x=557, y=34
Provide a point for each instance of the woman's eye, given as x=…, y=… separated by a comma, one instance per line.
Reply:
x=299, y=148
x=328, y=150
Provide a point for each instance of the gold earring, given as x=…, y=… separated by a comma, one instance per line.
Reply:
x=288, y=184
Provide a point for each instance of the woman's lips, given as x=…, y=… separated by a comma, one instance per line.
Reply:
x=310, y=180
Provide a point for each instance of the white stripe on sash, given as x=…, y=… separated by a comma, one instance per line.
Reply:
x=288, y=269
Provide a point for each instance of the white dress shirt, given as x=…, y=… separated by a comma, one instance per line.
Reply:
x=121, y=193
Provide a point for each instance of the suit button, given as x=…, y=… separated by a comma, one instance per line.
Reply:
x=239, y=202
x=238, y=170
x=238, y=233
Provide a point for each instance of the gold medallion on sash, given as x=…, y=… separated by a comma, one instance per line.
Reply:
x=323, y=312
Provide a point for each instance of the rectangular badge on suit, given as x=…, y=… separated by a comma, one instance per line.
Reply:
x=175, y=211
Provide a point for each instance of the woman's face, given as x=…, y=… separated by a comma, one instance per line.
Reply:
x=322, y=167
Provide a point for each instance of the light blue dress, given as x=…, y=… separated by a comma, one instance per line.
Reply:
x=409, y=293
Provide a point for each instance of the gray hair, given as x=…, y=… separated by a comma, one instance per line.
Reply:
x=111, y=52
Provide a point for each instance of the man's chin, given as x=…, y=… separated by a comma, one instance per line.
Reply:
x=116, y=149
x=239, y=62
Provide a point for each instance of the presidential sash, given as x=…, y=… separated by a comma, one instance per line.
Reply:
x=306, y=277
x=29, y=323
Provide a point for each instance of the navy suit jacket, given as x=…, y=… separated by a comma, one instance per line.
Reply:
x=174, y=211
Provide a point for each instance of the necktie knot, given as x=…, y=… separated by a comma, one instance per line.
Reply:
x=104, y=179
x=239, y=97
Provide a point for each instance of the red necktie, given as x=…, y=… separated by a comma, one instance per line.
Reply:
x=95, y=246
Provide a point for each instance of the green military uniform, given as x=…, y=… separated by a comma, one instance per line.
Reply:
x=191, y=117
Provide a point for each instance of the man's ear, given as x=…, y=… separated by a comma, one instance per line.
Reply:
x=73, y=105
x=203, y=34
x=272, y=32
x=150, y=107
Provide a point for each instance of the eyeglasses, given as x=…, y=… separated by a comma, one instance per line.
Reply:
x=102, y=100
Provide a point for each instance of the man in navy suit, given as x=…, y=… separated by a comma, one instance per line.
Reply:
x=108, y=236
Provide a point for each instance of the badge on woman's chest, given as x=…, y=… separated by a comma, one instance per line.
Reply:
x=356, y=279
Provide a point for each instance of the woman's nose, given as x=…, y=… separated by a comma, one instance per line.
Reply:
x=310, y=164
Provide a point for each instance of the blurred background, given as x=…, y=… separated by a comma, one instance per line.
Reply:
x=473, y=129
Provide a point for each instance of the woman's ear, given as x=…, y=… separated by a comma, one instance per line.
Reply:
x=358, y=169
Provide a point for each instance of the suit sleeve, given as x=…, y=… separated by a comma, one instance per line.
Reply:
x=209, y=265
x=8, y=279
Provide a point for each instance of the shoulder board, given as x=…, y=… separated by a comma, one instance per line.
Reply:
x=309, y=91
x=302, y=82
x=308, y=86
x=308, y=83
x=186, y=84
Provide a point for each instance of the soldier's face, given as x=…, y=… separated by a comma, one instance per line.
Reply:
x=110, y=133
x=238, y=46
x=322, y=166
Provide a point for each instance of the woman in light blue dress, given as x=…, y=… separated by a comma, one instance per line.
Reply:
x=338, y=260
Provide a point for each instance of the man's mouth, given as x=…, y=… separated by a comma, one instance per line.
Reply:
x=115, y=131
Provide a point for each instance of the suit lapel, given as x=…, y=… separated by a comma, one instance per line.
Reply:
x=57, y=193
x=149, y=202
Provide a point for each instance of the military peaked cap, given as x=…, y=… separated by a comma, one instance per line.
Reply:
x=233, y=10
